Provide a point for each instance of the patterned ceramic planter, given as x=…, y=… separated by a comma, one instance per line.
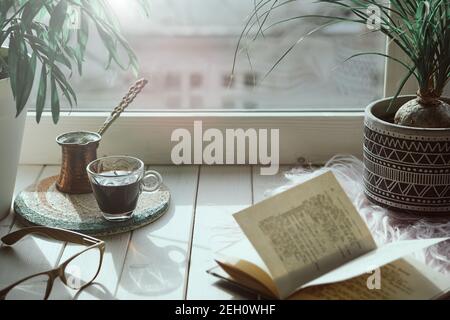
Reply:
x=405, y=169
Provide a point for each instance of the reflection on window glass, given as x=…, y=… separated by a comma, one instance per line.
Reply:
x=186, y=50
x=447, y=91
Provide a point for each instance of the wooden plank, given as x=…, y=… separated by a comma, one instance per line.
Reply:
x=47, y=171
x=26, y=175
x=157, y=259
x=106, y=282
x=222, y=191
x=32, y=254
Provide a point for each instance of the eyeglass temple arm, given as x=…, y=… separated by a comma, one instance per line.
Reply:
x=57, y=234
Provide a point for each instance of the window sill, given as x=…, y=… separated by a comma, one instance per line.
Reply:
x=311, y=136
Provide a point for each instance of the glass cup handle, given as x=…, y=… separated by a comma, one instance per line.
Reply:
x=156, y=181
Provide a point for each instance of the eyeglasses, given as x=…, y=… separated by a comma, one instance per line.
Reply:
x=39, y=286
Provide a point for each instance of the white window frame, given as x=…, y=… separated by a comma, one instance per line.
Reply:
x=304, y=136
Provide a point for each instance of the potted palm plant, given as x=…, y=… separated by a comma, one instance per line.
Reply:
x=41, y=43
x=406, y=138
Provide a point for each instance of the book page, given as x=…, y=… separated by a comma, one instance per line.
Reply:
x=403, y=279
x=241, y=256
x=375, y=259
x=305, y=232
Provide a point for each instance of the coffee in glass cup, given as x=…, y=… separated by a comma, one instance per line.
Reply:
x=117, y=183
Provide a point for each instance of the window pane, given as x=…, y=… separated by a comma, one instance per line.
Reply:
x=186, y=50
x=447, y=91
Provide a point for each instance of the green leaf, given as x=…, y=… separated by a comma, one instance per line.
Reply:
x=110, y=43
x=145, y=6
x=31, y=9
x=41, y=47
x=27, y=72
x=3, y=63
x=82, y=37
x=55, y=26
x=42, y=93
x=13, y=62
x=58, y=17
x=410, y=69
x=66, y=91
x=400, y=88
x=301, y=39
x=55, y=100
x=22, y=70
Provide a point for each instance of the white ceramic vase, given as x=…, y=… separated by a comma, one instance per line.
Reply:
x=11, y=133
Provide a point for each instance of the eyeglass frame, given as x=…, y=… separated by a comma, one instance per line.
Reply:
x=60, y=235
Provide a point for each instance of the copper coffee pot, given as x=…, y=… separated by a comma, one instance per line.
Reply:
x=80, y=148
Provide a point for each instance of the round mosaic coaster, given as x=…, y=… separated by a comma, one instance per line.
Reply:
x=42, y=204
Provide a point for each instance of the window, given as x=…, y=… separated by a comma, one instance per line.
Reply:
x=186, y=50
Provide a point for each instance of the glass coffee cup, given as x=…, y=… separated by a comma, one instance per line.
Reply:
x=117, y=183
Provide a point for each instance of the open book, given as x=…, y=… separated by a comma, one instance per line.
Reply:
x=309, y=242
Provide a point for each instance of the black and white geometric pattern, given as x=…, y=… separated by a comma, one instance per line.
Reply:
x=407, y=172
